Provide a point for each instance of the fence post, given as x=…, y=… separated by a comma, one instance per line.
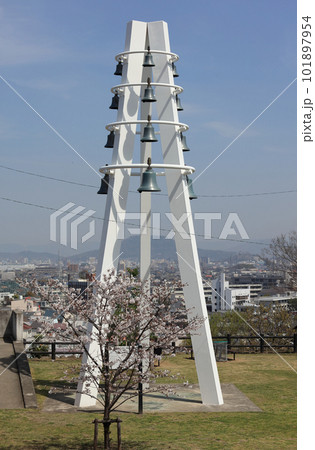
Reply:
x=261, y=342
x=140, y=398
x=294, y=343
x=53, y=351
x=228, y=338
x=140, y=387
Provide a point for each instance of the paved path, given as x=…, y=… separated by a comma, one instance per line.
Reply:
x=187, y=399
x=10, y=387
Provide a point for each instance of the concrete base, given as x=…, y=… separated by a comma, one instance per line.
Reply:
x=187, y=399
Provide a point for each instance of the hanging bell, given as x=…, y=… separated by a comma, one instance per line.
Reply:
x=119, y=68
x=192, y=195
x=178, y=104
x=104, y=184
x=148, y=182
x=115, y=102
x=148, y=132
x=148, y=93
x=110, y=140
x=175, y=74
x=148, y=60
x=185, y=148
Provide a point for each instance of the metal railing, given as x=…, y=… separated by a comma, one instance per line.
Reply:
x=235, y=344
x=259, y=343
x=53, y=348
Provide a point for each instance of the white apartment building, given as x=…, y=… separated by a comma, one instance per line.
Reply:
x=225, y=297
x=221, y=296
x=277, y=300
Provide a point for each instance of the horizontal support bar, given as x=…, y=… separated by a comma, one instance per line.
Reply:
x=109, y=168
x=122, y=55
x=138, y=174
x=177, y=89
x=114, y=125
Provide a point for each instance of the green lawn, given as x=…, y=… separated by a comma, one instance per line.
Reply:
x=264, y=378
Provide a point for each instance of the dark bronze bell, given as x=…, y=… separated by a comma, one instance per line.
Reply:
x=110, y=140
x=192, y=195
x=148, y=182
x=178, y=104
x=185, y=148
x=148, y=93
x=175, y=74
x=148, y=132
x=115, y=102
x=148, y=60
x=104, y=184
x=119, y=68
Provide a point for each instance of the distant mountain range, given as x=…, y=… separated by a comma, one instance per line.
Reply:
x=161, y=249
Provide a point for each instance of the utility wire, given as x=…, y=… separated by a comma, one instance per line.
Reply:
x=48, y=178
x=136, y=192
x=248, y=195
x=127, y=223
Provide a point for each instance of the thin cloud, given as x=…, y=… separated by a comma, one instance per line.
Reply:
x=22, y=42
x=274, y=149
x=195, y=108
x=6, y=130
x=227, y=130
x=16, y=49
x=19, y=48
x=45, y=84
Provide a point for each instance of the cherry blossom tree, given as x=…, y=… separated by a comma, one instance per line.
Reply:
x=125, y=321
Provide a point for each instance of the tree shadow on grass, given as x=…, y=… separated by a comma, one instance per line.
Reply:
x=53, y=443
x=45, y=387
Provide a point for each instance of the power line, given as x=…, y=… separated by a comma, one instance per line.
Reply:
x=248, y=195
x=136, y=192
x=126, y=223
x=48, y=178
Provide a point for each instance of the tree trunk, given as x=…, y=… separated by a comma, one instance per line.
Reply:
x=106, y=426
x=106, y=415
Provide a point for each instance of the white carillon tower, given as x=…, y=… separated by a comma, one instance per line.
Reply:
x=147, y=71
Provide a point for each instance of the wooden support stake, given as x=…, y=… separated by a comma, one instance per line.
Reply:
x=118, y=433
x=110, y=421
x=95, y=421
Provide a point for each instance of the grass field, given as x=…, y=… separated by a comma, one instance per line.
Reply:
x=264, y=378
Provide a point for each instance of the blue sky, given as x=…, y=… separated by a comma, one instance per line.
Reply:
x=236, y=57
